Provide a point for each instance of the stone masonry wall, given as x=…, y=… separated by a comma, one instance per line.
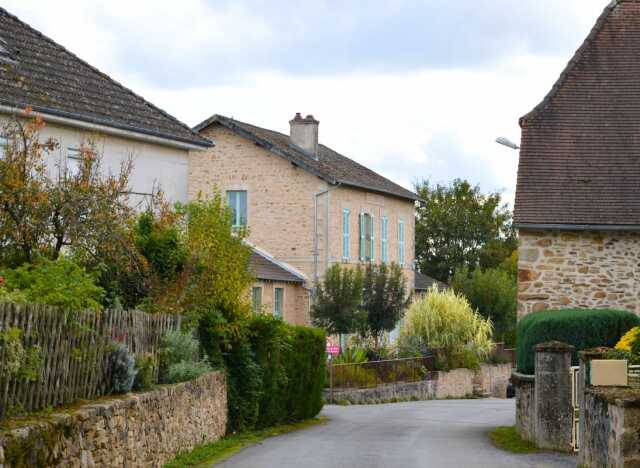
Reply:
x=296, y=305
x=136, y=430
x=562, y=269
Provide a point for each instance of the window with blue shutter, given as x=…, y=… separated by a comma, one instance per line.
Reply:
x=4, y=142
x=346, y=231
x=256, y=298
x=237, y=201
x=277, y=302
x=401, y=242
x=363, y=237
x=372, y=238
x=367, y=237
x=384, y=239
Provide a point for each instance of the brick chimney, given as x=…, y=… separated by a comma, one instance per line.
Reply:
x=304, y=133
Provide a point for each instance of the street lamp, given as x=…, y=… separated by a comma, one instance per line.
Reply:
x=506, y=142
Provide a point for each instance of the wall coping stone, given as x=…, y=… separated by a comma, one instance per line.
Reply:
x=517, y=377
x=593, y=353
x=554, y=347
x=623, y=397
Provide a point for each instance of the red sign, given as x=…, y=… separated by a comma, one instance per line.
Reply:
x=332, y=348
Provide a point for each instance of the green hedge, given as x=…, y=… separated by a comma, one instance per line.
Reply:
x=582, y=328
x=275, y=376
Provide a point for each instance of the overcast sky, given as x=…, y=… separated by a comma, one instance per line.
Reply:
x=412, y=89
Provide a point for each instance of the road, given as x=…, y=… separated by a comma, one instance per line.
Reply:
x=426, y=434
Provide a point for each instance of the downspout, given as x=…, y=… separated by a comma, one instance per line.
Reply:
x=316, y=253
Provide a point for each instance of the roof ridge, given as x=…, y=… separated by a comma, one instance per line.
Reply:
x=595, y=30
x=102, y=74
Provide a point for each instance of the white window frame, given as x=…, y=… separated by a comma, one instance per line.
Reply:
x=257, y=307
x=73, y=154
x=4, y=142
x=346, y=235
x=384, y=239
x=401, y=244
x=237, y=217
x=278, y=313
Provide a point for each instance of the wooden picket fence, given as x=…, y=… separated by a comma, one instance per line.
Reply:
x=74, y=349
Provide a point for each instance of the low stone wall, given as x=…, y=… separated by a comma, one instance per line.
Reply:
x=610, y=434
x=525, y=405
x=458, y=383
x=145, y=429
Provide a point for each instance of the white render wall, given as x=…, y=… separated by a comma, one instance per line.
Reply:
x=154, y=164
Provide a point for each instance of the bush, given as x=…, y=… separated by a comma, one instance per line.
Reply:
x=145, y=365
x=351, y=356
x=180, y=358
x=123, y=371
x=445, y=320
x=61, y=283
x=582, y=328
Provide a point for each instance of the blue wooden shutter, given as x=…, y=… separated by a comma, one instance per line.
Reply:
x=363, y=237
x=346, y=231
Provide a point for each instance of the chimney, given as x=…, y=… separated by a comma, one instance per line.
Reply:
x=304, y=133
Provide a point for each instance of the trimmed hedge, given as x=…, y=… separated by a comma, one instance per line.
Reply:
x=276, y=376
x=582, y=328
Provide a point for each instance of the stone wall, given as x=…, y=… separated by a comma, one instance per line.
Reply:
x=610, y=435
x=563, y=269
x=297, y=300
x=525, y=405
x=458, y=383
x=136, y=430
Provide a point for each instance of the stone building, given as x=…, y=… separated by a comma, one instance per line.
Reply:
x=302, y=202
x=577, y=207
x=80, y=104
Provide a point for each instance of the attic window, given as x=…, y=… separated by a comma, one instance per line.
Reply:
x=5, y=53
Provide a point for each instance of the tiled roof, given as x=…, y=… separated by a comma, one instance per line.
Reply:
x=265, y=267
x=580, y=152
x=330, y=165
x=424, y=282
x=48, y=78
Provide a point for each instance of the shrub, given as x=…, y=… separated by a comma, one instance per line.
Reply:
x=145, y=365
x=244, y=388
x=17, y=360
x=445, y=320
x=582, y=328
x=180, y=358
x=629, y=341
x=123, y=371
x=351, y=356
x=339, y=297
x=61, y=283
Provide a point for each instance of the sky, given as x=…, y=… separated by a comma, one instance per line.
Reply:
x=416, y=90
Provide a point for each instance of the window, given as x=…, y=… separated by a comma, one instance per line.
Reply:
x=237, y=200
x=277, y=302
x=384, y=239
x=74, y=161
x=346, y=231
x=401, y=242
x=256, y=299
x=4, y=142
x=367, y=237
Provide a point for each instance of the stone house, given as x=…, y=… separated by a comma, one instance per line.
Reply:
x=80, y=104
x=304, y=203
x=577, y=209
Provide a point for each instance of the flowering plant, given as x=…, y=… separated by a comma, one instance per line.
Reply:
x=630, y=341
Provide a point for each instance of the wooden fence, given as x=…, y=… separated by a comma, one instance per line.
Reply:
x=73, y=348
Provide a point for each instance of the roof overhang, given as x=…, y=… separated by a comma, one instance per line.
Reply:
x=577, y=227
x=94, y=125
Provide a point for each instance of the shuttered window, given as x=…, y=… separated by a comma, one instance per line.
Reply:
x=384, y=239
x=3, y=146
x=256, y=299
x=367, y=237
x=346, y=235
x=401, y=242
x=278, y=297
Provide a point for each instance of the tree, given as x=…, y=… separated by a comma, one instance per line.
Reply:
x=457, y=225
x=338, y=300
x=493, y=293
x=384, y=298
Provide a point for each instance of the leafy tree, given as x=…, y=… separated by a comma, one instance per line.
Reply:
x=338, y=300
x=493, y=293
x=384, y=298
x=458, y=225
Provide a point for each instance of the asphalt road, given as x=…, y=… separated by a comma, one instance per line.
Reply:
x=429, y=434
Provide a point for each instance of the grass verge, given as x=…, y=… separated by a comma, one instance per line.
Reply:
x=507, y=438
x=216, y=452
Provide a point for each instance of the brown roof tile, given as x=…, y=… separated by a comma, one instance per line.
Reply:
x=43, y=75
x=330, y=165
x=580, y=154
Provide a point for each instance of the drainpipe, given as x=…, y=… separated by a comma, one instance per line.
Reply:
x=316, y=253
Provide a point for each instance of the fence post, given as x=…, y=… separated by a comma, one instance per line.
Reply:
x=585, y=357
x=331, y=380
x=553, y=407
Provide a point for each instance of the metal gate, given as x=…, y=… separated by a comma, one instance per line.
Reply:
x=575, y=402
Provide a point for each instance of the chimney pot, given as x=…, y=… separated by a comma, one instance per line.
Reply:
x=304, y=133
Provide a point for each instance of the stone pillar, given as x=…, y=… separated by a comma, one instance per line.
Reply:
x=553, y=408
x=525, y=405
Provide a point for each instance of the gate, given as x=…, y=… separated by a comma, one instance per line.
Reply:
x=575, y=403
